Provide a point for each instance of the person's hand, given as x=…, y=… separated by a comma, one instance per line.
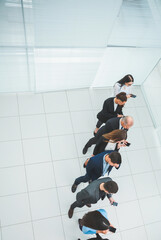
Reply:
x=121, y=144
x=128, y=96
x=119, y=115
x=111, y=200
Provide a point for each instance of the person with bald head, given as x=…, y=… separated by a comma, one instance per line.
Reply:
x=112, y=124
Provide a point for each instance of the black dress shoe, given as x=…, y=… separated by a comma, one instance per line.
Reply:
x=70, y=212
x=85, y=149
x=88, y=205
x=74, y=187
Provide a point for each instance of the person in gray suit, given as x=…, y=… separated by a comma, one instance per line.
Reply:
x=96, y=190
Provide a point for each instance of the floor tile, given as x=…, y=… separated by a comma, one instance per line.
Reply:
x=9, y=129
x=40, y=176
x=63, y=147
x=79, y=100
x=83, y=121
x=139, y=161
x=158, y=179
x=30, y=104
x=129, y=215
x=49, y=229
x=36, y=150
x=126, y=189
x=55, y=102
x=153, y=231
x=12, y=181
x=59, y=124
x=69, y=170
x=33, y=126
x=144, y=116
x=44, y=204
x=151, y=137
x=151, y=208
x=133, y=234
x=14, y=209
x=99, y=96
x=145, y=184
x=8, y=105
x=155, y=157
x=135, y=137
x=14, y=156
x=18, y=232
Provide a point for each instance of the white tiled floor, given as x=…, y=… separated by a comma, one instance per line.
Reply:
x=41, y=141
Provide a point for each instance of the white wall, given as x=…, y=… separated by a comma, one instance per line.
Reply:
x=152, y=90
x=57, y=69
x=118, y=62
x=74, y=23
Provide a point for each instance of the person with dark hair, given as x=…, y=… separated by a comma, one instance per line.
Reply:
x=124, y=85
x=98, y=166
x=112, y=107
x=112, y=124
x=95, y=222
x=96, y=190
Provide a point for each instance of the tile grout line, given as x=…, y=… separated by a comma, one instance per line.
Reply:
x=53, y=165
x=29, y=202
x=132, y=175
x=73, y=136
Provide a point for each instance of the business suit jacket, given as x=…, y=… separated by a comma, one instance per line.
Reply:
x=94, y=166
x=111, y=124
x=108, y=110
x=90, y=194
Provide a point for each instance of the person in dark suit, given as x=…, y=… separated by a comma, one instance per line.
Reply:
x=114, y=123
x=112, y=107
x=96, y=190
x=95, y=222
x=98, y=166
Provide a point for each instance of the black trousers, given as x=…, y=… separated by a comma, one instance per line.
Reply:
x=93, y=140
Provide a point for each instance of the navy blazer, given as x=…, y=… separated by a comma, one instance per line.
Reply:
x=94, y=166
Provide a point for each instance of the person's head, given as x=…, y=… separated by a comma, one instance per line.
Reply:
x=114, y=159
x=110, y=187
x=116, y=136
x=127, y=122
x=127, y=80
x=121, y=98
x=95, y=220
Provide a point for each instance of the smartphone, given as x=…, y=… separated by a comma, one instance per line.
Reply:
x=112, y=229
x=114, y=203
x=127, y=144
x=133, y=96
